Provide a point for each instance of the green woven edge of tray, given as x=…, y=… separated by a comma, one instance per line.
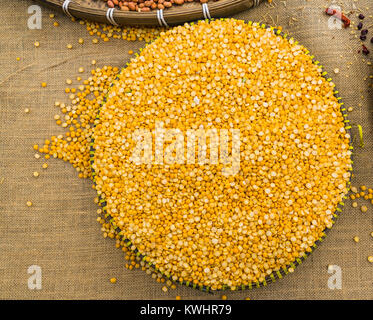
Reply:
x=274, y=276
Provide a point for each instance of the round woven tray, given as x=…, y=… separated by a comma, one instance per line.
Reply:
x=275, y=275
x=96, y=10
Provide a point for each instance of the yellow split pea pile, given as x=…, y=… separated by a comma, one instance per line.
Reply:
x=107, y=32
x=190, y=220
x=79, y=116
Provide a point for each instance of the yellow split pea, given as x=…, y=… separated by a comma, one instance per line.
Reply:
x=74, y=146
x=190, y=220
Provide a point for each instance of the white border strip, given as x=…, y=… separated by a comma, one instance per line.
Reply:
x=162, y=22
x=206, y=11
x=110, y=16
x=65, y=8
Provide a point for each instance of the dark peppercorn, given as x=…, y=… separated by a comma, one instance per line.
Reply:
x=360, y=26
x=371, y=40
x=361, y=16
x=363, y=38
x=364, y=32
x=365, y=50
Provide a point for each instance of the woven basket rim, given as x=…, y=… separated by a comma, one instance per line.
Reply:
x=274, y=276
x=175, y=15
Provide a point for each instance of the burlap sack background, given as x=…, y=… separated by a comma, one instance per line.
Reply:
x=60, y=233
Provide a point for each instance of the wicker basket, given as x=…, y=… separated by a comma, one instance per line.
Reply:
x=96, y=10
